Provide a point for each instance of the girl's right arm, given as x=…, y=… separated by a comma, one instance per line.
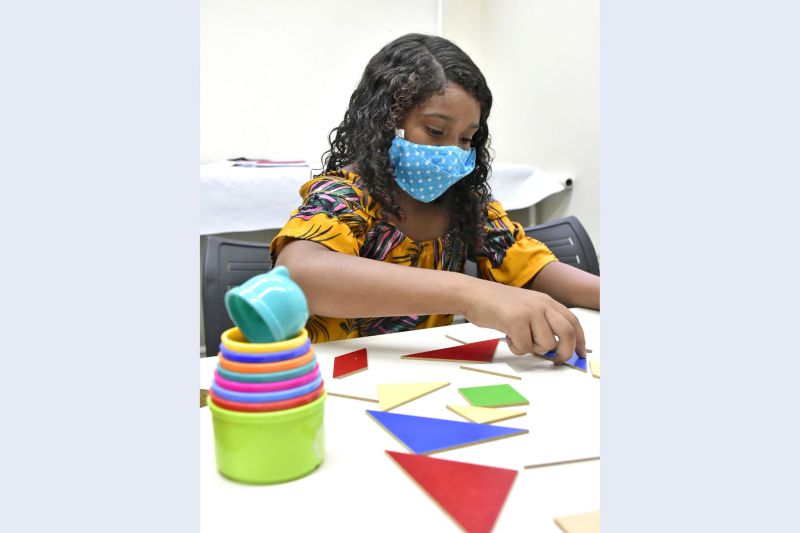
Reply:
x=341, y=285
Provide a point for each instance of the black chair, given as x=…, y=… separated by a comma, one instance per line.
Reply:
x=227, y=263
x=567, y=239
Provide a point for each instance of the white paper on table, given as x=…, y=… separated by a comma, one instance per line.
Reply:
x=248, y=198
x=521, y=186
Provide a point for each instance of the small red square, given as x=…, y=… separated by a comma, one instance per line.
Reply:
x=350, y=363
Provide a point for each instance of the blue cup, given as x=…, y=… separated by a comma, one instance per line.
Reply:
x=269, y=307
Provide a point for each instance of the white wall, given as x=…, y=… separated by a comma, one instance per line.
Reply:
x=276, y=76
x=541, y=60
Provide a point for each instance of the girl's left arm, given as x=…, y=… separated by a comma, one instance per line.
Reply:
x=571, y=286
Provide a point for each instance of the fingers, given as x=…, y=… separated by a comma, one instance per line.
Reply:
x=550, y=330
x=520, y=340
x=567, y=334
x=533, y=323
x=544, y=338
x=539, y=338
x=580, y=344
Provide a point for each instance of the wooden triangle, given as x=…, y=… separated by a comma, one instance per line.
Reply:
x=580, y=523
x=473, y=495
x=474, y=352
x=350, y=363
x=430, y=435
x=594, y=364
x=484, y=415
x=391, y=395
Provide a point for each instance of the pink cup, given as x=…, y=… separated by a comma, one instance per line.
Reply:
x=267, y=387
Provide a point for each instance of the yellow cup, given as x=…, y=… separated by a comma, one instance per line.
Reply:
x=234, y=340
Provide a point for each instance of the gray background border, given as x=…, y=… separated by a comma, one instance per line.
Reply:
x=699, y=139
x=99, y=209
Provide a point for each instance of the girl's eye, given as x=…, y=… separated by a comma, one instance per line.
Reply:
x=435, y=132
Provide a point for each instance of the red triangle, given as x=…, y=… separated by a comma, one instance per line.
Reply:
x=471, y=494
x=350, y=363
x=481, y=352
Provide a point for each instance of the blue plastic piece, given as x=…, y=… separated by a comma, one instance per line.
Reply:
x=575, y=361
x=425, y=435
x=273, y=357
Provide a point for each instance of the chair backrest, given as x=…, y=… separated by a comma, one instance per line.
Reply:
x=227, y=263
x=567, y=239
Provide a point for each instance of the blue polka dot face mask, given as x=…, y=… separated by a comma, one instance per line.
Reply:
x=426, y=172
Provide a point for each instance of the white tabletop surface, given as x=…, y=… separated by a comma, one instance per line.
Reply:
x=359, y=488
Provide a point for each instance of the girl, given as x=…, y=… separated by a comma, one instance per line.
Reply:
x=404, y=185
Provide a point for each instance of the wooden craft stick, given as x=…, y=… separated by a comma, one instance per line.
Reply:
x=568, y=461
x=490, y=372
x=454, y=339
x=351, y=397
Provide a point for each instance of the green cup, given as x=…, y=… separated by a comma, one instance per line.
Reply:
x=269, y=447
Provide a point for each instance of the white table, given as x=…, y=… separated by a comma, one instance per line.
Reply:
x=359, y=488
x=234, y=199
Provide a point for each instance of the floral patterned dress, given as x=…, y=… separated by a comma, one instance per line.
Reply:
x=338, y=212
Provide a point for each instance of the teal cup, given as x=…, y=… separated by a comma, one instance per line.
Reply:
x=269, y=307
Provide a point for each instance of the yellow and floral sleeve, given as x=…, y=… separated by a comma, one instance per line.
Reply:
x=331, y=214
x=509, y=256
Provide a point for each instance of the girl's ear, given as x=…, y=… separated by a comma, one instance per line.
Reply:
x=400, y=132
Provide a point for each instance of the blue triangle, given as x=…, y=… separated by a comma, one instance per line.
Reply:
x=426, y=435
x=575, y=361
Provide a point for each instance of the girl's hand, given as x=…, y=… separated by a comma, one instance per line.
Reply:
x=531, y=320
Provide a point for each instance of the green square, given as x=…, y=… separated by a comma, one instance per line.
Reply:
x=493, y=396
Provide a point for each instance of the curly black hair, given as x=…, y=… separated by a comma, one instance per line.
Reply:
x=403, y=74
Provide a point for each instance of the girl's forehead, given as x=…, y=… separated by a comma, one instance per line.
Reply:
x=453, y=102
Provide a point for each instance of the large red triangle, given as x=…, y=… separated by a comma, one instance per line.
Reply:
x=471, y=494
x=480, y=352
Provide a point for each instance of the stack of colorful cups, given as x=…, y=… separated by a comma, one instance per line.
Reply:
x=265, y=377
x=267, y=398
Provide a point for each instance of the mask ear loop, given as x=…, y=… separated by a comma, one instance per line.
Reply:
x=400, y=132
